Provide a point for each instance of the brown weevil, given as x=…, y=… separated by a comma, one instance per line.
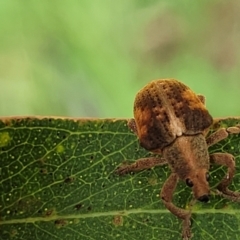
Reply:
x=171, y=120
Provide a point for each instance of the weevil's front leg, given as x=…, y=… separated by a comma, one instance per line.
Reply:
x=227, y=160
x=221, y=134
x=140, y=164
x=166, y=195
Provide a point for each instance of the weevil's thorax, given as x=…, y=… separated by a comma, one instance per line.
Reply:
x=165, y=110
x=187, y=155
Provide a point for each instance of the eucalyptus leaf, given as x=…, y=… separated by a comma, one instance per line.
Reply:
x=57, y=181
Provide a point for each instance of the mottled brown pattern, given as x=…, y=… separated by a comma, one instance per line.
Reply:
x=165, y=109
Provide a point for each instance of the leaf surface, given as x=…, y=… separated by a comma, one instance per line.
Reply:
x=57, y=181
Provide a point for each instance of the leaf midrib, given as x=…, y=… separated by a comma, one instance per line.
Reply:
x=114, y=213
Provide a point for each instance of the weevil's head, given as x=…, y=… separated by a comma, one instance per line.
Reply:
x=198, y=181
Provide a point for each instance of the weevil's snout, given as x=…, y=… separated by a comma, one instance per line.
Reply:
x=199, y=183
x=201, y=191
x=204, y=198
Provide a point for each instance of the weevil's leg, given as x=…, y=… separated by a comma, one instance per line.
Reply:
x=132, y=125
x=221, y=134
x=140, y=164
x=202, y=98
x=217, y=137
x=227, y=160
x=166, y=195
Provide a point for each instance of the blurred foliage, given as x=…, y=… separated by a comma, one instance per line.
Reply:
x=89, y=58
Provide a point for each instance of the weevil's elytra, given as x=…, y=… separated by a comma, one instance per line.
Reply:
x=165, y=109
x=170, y=119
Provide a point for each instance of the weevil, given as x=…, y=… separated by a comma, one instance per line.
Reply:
x=173, y=122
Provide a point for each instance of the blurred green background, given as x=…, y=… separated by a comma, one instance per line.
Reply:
x=88, y=58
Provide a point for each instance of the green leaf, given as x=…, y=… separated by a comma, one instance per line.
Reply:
x=57, y=181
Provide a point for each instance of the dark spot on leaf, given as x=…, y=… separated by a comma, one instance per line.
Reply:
x=8, y=123
x=78, y=206
x=48, y=213
x=43, y=171
x=118, y=220
x=60, y=223
x=146, y=220
x=69, y=180
x=89, y=208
